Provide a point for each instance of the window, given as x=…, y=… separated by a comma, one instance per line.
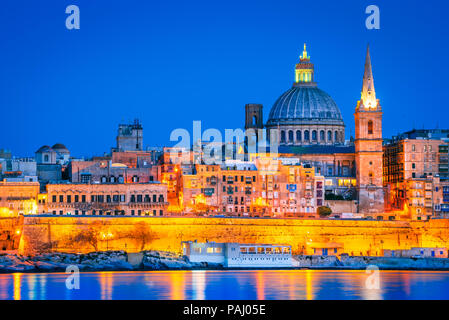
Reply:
x=413, y=147
x=290, y=136
x=282, y=136
x=329, y=136
x=336, y=136
x=314, y=135
x=85, y=178
x=197, y=250
x=322, y=135
x=370, y=127
x=298, y=135
x=306, y=135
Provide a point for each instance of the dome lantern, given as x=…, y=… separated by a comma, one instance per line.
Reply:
x=304, y=70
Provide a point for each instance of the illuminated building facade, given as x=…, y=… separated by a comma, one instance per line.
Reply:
x=106, y=171
x=266, y=187
x=414, y=158
x=18, y=198
x=415, y=173
x=368, y=146
x=112, y=199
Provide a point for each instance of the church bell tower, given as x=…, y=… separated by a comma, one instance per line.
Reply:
x=368, y=146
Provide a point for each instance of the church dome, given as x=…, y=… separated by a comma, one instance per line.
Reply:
x=59, y=147
x=304, y=104
x=305, y=114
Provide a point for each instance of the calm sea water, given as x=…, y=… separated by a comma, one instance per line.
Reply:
x=232, y=285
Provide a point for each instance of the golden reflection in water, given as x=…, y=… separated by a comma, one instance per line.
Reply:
x=199, y=284
x=4, y=284
x=291, y=285
x=32, y=282
x=309, y=285
x=17, y=279
x=177, y=281
x=43, y=285
x=260, y=285
x=405, y=277
x=106, y=281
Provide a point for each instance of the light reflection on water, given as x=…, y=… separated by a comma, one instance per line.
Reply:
x=232, y=285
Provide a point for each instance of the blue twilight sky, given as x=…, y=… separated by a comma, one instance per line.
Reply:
x=172, y=62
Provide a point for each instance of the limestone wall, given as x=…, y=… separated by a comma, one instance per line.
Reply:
x=10, y=233
x=341, y=206
x=126, y=233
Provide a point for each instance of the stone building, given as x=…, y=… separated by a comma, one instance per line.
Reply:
x=405, y=158
x=108, y=199
x=368, y=146
x=18, y=170
x=264, y=188
x=306, y=124
x=106, y=171
x=18, y=198
x=58, y=154
x=130, y=137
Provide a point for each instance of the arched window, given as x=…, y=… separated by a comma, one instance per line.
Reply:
x=329, y=136
x=282, y=136
x=104, y=179
x=306, y=135
x=322, y=135
x=46, y=158
x=254, y=121
x=314, y=135
x=290, y=136
x=298, y=135
x=336, y=136
x=112, y=179
x=370, y=127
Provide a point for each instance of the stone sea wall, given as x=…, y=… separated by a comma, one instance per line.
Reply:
x=134, y=234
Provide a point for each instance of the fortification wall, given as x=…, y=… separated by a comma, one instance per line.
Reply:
x=85, y=234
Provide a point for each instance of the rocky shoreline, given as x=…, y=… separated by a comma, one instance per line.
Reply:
x=161, y=260
x=99, y=261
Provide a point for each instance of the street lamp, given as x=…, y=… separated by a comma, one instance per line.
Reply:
x=107, y=237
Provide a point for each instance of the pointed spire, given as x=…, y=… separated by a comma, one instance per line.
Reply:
x=368, y=99
x=304, y=54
